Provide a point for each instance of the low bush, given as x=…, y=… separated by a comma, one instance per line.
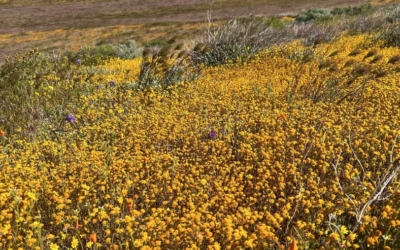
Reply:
x=163, y=67
x=234, y=41
x=364, y=9
x=313, y=14
x=37, y=88
x=276, y=23
x=92, y=55
x=127, y=50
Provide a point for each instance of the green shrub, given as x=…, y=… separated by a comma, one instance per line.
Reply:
x=95, y=55
x=92, y=55
x=37, y=89
x=276, y=23
x=127, y=50
x=364, y=9
x=313, y=14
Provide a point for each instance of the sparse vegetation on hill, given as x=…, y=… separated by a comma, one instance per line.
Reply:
x=267, y=133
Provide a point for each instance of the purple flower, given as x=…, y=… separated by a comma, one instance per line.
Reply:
x=318, y=36
x=79, y=61
x=318, y=39
x=112, y=83
x=212, y=134
x=70, y=118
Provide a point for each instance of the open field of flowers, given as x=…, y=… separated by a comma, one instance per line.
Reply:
x=298, y=143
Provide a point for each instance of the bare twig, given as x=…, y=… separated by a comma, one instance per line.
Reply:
x=358, y=160
x=377, y=194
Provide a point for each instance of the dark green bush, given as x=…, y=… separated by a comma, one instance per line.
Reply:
x=313, y=14
x=364, y=9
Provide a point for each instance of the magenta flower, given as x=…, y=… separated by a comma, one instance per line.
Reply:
x=70, y=118
x=212, y=134
x=79, y=61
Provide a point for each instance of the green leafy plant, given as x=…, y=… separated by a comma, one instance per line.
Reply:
x=127, y=50
x=364, y=9
x=36, y=89
x=313, y=14
x=92, y=55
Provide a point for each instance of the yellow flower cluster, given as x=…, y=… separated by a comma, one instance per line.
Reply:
x=293, y=143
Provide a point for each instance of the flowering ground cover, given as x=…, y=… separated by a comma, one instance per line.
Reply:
x=299, y=142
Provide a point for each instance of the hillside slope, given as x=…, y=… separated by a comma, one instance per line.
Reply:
x=297, y=142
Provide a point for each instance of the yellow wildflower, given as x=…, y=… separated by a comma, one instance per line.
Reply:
x=138, y=243
x=217, y=246
x=53, y=246
x=89, y=244
x=334, y=236
x=344, y=230
x=352, y=237
x=74, y=243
